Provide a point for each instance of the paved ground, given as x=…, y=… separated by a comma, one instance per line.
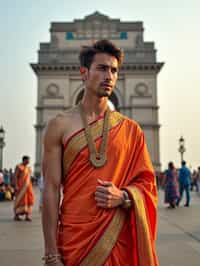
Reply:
x=178, y=242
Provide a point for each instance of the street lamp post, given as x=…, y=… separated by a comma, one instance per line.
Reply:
x=181, y=147
x=2, y=144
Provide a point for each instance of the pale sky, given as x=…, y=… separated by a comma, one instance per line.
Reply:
x=174, y=27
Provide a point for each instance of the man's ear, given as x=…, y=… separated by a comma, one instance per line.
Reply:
x=83, y=73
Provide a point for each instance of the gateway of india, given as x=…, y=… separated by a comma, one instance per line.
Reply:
x=60, y=86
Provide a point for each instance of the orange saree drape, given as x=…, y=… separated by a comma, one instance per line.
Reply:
x=24, y=199
x=88, y=235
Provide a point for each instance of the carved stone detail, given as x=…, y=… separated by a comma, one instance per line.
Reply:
x=52, y=90
x=141, y=89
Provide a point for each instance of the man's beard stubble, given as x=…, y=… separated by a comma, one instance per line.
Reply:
x=103, y=94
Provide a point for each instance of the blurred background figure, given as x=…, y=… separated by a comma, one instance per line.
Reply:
x=24, y=197
x=6, y=191
x=184, y=183
x=171, y=186
x=1, y=177
x=6, y=177
x=198, y=180
x=194, y=181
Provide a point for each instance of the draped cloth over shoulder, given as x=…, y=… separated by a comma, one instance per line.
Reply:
x=24, y=199
x=88, y=235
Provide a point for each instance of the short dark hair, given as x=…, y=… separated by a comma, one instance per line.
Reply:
x=87, y=53
x=25, y=157
x=183, y=163
x=171, y=165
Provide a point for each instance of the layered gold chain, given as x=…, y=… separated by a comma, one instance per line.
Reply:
x=97, y=159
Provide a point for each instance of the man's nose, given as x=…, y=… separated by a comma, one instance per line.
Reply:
x=108, y=74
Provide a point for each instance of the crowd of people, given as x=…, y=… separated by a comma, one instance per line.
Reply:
x=176, y=181
x=7, y=185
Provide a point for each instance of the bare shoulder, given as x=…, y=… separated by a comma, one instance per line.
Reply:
x=58, y=125
x=70, y=113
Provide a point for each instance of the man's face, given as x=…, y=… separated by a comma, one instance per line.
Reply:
x=101, y=77
x=26, y=161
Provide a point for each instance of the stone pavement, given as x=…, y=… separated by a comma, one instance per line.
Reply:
x=178, y=242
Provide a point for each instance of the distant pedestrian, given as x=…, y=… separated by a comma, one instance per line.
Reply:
x=198, y=180
x=1, y=177
x=12, y=177
x=193, y=180
x=184, y=183
x=171, y=186
x=2, y=191
x=24, y=198
x=6, y=176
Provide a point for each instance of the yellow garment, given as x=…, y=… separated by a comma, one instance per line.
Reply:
x=8, y=195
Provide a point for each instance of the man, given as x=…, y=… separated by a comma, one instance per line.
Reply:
x=184, y=183
x=198, y=180
x=1, y=177
x=6, y=177
x=108, y=211
x=24, y=197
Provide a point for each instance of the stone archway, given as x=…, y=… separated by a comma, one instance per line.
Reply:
x=113, y=98
x=139, y=71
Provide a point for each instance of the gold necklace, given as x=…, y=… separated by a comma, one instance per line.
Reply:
x=97, y=159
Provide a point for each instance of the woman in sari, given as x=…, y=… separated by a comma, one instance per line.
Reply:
x=171, y=186
x=24, y=197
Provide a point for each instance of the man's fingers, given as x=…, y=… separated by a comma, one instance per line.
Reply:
x=104, y=183
x=99, y=194
x=102, y=189
x=100, y=200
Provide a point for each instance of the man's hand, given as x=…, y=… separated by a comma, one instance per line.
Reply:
x=107, y=195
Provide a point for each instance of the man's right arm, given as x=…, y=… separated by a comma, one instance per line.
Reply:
x=52, y=156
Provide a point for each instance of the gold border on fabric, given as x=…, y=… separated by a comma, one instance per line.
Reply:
x=104, y=246
x=145, y=252
x=79, y=141
x=21, y=193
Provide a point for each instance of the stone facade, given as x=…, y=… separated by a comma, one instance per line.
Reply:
x=59, y=84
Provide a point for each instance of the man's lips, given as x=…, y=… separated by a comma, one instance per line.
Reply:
x=107, y=85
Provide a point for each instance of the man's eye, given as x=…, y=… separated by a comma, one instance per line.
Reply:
x=114, y=70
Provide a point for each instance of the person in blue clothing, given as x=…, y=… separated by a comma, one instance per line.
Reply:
x=184, y=183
